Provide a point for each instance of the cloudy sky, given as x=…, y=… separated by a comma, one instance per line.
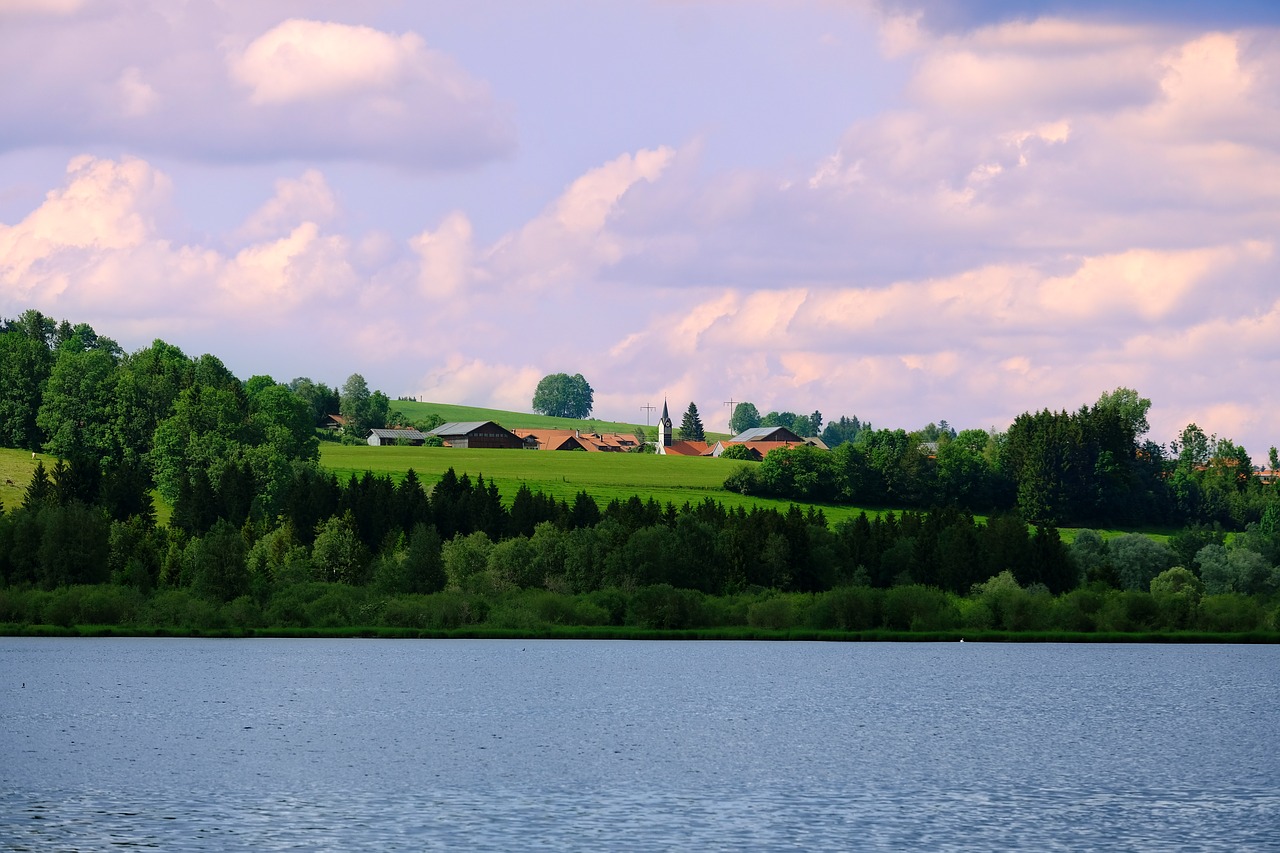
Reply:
x=904, y=211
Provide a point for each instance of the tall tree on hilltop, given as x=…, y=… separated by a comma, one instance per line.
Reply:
x=745, y=416
x=563, y=396
x=691, y=426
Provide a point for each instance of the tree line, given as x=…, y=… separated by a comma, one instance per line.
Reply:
x=255, y=517
x=1094, y=466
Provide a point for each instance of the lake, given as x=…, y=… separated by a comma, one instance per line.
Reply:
x=623, y=745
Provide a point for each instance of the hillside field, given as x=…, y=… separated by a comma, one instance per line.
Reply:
x=525, y=420
x=604, y=476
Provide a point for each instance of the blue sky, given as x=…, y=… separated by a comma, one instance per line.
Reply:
x=900, y=211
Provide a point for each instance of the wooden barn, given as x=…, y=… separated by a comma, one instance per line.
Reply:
x=393, y=437
x=477, y=434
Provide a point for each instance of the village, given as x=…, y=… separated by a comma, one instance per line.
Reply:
x=758, y=442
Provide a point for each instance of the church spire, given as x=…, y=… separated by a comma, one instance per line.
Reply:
x=664, y=427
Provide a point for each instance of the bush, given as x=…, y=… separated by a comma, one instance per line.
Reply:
x=847, y=608
x=1128, y=611
x=436, y=611
x=919, y=608
x=178, y=608
x=1229, y=612
x=1078, y=610
x=744, y=480
x=776, y=613
x=664, y=606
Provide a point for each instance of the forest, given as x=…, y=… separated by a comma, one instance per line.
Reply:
x=261, y=536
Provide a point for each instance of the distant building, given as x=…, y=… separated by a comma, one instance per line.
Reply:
x=388, y=437
x=477, y=435
x=574, y=439
x=771, y=433
x=668, y=445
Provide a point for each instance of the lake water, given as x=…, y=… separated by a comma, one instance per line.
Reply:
x=583, y=745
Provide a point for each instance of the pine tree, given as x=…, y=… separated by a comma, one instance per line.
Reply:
x=691, y=426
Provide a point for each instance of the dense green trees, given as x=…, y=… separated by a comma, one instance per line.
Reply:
x=563, y=396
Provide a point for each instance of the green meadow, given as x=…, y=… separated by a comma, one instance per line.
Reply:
x=674, y=479
x=605, y=476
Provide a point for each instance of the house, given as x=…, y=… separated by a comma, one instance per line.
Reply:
x=771, y=433
x=389, y=437
x=573, y=439
x=761, y=441
x=477, y=434
x=334, y=423
x=759, y=449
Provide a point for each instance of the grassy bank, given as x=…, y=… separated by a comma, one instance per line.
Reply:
x=562, y=632
x=864, y=614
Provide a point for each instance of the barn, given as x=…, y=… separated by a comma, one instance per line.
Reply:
x=477, y=434
x=390, y=437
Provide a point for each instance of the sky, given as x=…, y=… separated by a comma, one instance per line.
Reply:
x=900, y=211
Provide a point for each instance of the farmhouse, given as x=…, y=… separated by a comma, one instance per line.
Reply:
x=387, y=437
x=477, y=434
x=573, y=439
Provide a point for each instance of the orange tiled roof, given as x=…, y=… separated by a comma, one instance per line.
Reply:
x=571, y=439
x=687, y=448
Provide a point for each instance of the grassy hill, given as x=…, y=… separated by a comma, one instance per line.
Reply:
x=526, y=420
x=604, y=476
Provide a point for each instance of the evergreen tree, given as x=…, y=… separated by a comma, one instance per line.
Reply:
x=691, y=426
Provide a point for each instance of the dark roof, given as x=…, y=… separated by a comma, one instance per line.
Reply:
x=460, y=427
x=766, y=434
x=413, y=434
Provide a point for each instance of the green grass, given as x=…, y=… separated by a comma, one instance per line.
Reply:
x=523, y=420
x=16, y=467
x=667, y=479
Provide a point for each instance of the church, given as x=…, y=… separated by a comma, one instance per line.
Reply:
x=759, y=441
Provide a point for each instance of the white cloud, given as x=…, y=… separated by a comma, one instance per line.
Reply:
x=307, y=198
x=446, y=258
x=302, y=60
x=210, y=82
x=572, y=239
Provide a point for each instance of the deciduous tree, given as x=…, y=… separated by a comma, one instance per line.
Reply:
x=563, y=396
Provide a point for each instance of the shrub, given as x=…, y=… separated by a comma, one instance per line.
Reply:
x=1229, y=612
x=437, y=611
x=1128, y=611
x=847, y=608
x=178, y=608
x=664, y=606
x=743, y=480
x=776, y=613
x=740, y=452
x=1078, y=610
x=918, y=608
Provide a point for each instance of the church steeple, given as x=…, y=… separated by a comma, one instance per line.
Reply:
x=664, y=426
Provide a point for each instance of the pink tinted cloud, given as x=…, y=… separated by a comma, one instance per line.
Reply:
x=225, y=83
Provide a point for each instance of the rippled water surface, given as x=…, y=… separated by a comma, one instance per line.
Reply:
x=515, y=745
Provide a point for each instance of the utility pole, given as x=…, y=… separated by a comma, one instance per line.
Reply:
x=732, y=404
x=648, y=411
